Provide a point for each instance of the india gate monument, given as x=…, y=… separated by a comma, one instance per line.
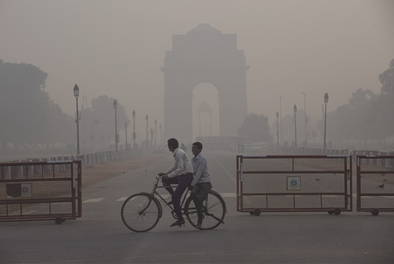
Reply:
x=203, y=55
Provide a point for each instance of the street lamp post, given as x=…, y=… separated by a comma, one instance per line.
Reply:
x=116, y=125
x=155, y=131
x=151, y=137
x=134, y=135
x=306, y=120
x=280, y=118
x=161, y=136
x=125, y=125
x=325, y=117
x=295, y=125
x=277, y=127
x=147, y=130
x=86, y=123
x=76, y=94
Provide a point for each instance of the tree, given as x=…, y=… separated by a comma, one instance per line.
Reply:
x=355, y=120
x=384, y=105
x=256, y=128
x=61, y=126
x=28, y=115
x=24, y=104
x=387, y=79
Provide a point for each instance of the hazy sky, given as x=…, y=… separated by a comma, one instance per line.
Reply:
x=117, y=48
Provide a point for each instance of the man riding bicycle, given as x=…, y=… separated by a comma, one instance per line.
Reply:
x=201, y=184
x=182, y=174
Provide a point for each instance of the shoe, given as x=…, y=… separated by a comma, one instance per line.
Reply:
x=178, y=223
x=199, y=225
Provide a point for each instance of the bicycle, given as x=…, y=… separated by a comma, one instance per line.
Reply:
x=141, y=211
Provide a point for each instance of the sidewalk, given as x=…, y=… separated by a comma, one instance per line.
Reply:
x=102, y=172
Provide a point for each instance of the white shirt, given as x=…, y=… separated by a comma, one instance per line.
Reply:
x=182, y=165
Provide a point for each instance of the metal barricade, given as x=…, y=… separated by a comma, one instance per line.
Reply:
x=50, y=190
x=375, y=183
x=288, y=183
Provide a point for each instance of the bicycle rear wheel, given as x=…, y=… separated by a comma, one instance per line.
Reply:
x=214, y=210
x=141, y=212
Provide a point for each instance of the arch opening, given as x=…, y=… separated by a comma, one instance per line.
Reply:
x=205, y=110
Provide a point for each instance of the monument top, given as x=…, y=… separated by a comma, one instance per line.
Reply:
x=204, y=28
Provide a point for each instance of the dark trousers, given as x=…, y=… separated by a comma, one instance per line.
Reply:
x=199, y=194
x=183, y=182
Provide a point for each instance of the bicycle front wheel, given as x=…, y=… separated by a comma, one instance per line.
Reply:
x=214, y=210
x=141, y=212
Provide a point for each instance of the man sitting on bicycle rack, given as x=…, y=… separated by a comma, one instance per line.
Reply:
x=201, y=184
x=182, y=174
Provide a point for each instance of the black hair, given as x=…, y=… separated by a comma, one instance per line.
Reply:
x=198, y=145
x=173, y=143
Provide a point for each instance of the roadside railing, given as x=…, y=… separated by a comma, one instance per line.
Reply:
x=294, y=183
x=50, y=190
x=375, y=179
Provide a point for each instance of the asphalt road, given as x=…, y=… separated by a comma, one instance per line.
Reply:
x=99, y=236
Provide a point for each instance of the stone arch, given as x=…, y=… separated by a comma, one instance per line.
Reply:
x=205, y=110
x=203, y=55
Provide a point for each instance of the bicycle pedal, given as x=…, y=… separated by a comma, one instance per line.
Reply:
x=177, y=223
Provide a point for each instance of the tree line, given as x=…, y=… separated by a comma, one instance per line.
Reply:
x=29, y=118
x=366, y=117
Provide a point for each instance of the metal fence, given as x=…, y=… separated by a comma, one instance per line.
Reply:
x=288, y=183
x=48, y=190
x=375, y=179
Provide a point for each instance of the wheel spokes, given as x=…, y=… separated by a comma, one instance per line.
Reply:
x=140, y=213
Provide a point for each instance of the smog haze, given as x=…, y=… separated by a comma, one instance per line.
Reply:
x=297, y=50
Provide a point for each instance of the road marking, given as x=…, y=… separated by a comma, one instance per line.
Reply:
x=94, y=200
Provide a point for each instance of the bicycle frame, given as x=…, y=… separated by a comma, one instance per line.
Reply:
x=144, y=219
x=157, y=195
